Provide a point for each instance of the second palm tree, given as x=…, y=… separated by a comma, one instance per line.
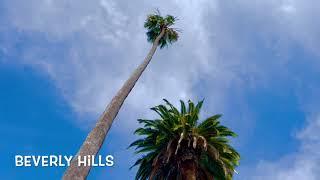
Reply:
x=178, y=146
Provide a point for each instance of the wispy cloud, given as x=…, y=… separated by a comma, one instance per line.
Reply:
x=303, y=164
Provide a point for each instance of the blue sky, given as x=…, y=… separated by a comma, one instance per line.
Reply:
x=255, y=62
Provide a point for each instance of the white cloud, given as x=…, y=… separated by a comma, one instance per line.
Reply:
x=303, y=164
x=94, y=46
x=101, y=47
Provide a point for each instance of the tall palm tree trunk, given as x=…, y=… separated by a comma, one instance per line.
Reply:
x=96, y=137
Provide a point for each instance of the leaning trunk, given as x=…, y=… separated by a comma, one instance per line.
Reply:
x=96, y=137
x=189, y=170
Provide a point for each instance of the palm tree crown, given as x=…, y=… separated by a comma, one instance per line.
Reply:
x=177, y=140
x=155, y=24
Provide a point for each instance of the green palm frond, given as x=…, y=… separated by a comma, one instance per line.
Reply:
x=177, y=135
x=155, y=23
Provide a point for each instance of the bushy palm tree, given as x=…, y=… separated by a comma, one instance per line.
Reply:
x=159, y=33
x=179, y=146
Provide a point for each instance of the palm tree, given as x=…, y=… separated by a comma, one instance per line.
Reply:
x=178, y=146
x=160, y=33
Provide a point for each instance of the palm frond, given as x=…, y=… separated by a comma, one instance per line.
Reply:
x=155, y=23
x=176, y=136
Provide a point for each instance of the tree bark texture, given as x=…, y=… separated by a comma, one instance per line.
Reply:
x=189, y=170
x=96, y=137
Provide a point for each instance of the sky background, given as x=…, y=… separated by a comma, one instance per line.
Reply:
x=256, y=62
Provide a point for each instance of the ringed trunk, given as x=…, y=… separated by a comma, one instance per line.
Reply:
x=96, y=137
